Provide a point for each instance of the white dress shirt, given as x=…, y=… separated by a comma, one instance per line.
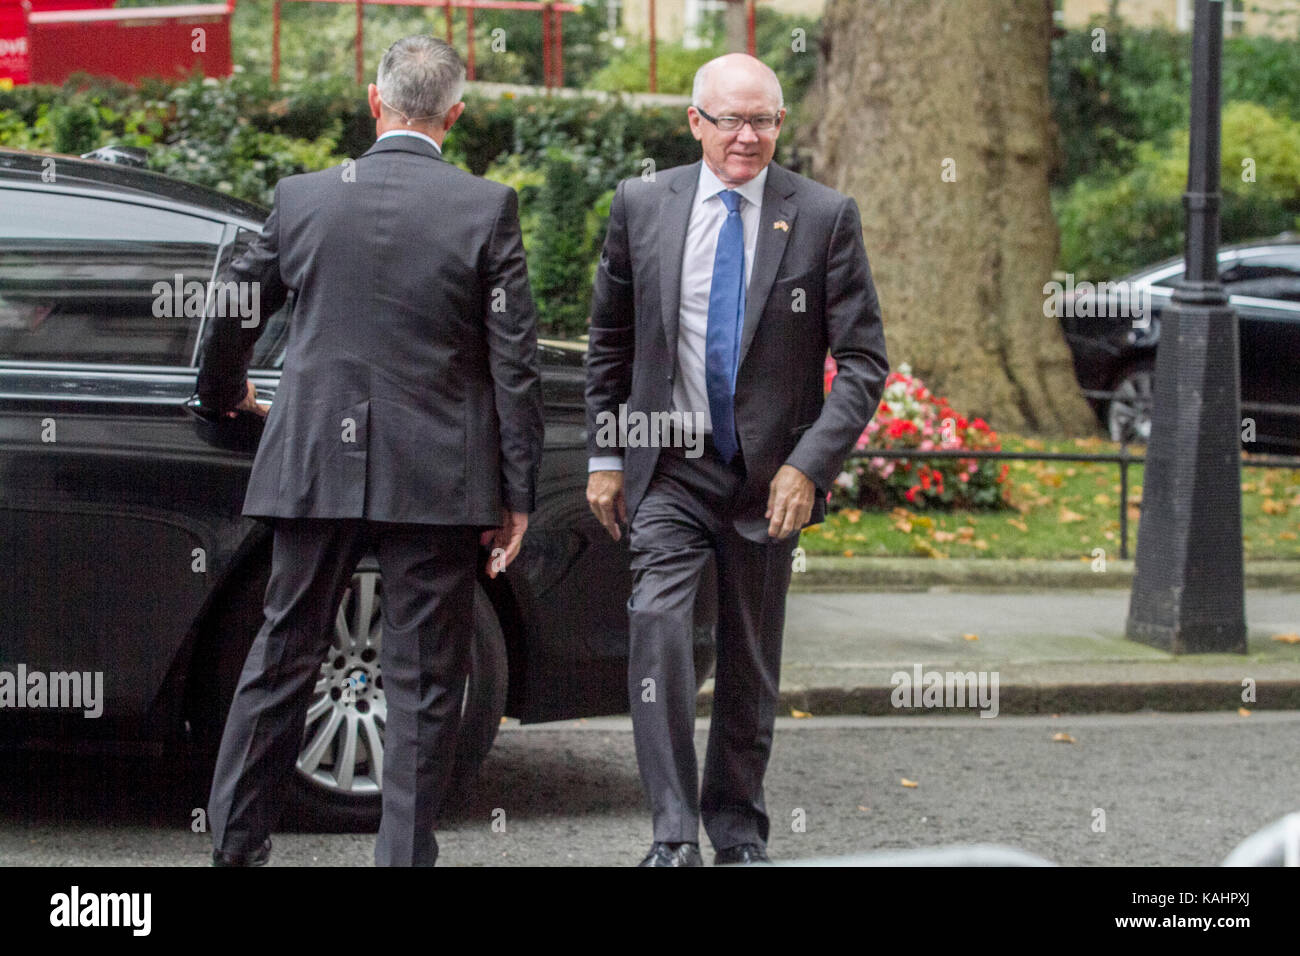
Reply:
x=411, y=132
x=708, y=212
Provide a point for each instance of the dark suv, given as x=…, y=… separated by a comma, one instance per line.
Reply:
x=1114, y=351
x=123, y=549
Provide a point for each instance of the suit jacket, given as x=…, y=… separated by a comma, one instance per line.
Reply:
x=410, y=390
x=810, y=291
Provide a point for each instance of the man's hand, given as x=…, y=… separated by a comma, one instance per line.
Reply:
x=605, y=496
x=504, y=541
x=789, y=502
x=250, y=403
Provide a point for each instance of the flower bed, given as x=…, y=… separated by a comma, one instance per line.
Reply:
x=911, y=416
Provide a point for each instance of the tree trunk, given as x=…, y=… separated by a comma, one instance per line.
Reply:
x=934, y=116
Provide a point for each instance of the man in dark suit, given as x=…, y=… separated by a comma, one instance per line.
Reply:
x=721, y=287
x=408, y=419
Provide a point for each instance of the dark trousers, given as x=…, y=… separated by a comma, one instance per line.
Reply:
x=428, y=598
x=683, y=520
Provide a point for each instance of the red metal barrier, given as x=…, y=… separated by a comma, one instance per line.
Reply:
x=552, y=30
x=15, y=48
x=47, y=41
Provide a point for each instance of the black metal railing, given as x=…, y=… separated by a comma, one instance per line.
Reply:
x=1123, y=458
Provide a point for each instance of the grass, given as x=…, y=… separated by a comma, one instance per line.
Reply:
x=1063, y=510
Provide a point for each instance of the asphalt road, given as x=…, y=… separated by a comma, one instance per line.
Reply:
x=1176, y=789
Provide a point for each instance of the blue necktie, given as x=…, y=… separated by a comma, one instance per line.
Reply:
x=726, y=317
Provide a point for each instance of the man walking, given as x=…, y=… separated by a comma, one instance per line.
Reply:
x=721, y=287
x=408, y=420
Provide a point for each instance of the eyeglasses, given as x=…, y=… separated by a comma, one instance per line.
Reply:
x=729, y=124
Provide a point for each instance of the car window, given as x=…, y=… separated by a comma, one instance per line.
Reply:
x=85, y=279
x=269, y=350
x=1266, y=276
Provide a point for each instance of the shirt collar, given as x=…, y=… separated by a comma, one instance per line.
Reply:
x=411, y=132
x=710, y=185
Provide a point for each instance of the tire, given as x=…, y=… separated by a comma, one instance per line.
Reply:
x=1128, y=413
x=337, y=783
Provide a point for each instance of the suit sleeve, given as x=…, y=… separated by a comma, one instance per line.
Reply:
x=511, y=321
x=856, y=338
x=227, y=347
x=612, y=339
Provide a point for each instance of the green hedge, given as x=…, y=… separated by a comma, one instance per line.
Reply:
x=1138, y=90
x=1112, y=225
x=241, y=135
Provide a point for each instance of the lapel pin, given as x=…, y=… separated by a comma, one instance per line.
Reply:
x=782, y=225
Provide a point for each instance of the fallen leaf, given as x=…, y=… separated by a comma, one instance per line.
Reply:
x=799, y=713
x=921, y=546
x=970, y=637
x=1287, y=638
x=1271, y=506
x=1069, y=517
x=1243, y=712
x=1017, y=524
x=1063, y=738
x=944, y=536
x=910, y=784
x=864, y=809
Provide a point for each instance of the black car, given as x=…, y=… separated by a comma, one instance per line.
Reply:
x=1114, y=355
x=124, y=552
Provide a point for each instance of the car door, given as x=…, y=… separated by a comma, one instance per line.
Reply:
x=1264, y=286
x=116, y=512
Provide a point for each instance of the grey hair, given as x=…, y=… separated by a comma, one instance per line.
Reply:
x=421, y=77
x=702, y=79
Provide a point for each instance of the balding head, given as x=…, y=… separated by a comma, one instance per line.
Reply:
x=736, y=85
x=731, y=71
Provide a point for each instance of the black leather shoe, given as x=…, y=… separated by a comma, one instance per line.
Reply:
x=747, y=854
x=673, y=854
x=257, y=858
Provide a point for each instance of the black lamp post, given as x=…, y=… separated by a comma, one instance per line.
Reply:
x=1188, y=592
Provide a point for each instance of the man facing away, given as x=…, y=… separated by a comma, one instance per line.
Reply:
x=408, y=420
x=721, y=287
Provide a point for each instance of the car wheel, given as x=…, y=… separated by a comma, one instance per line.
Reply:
x=339, y=774
x=1128, y=412
x=336, y=785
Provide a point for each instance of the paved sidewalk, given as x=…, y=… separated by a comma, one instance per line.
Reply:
x=827, y=573
x=1054, y=651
